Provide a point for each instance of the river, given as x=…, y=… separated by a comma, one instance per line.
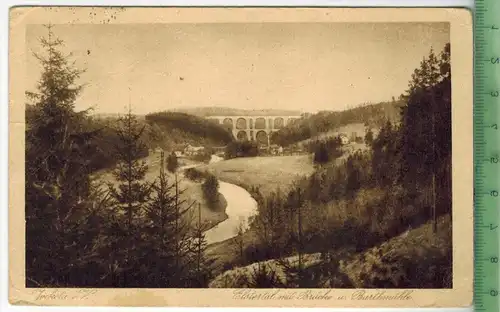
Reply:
x=240, y=207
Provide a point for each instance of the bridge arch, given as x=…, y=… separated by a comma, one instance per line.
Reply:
x=241, y=123
x=242, y=135
x=262, y=138
x=227, y=123
x=214, y=120
x=260, y=123
x=279, y=123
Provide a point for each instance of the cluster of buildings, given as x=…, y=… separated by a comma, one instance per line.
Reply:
x=183, y=151
x=187, y=150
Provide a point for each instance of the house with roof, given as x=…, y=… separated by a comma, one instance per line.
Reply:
x=191, y=150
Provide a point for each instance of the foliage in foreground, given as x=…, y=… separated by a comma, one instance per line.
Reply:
x=370, y=196
x=79, y=233
x=418, y=258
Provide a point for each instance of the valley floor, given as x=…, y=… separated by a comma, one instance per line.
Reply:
x=268, y=173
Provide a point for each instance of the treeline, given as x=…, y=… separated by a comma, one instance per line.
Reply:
x=325, y=150
x=230, y=111
x=162, y=134
x=372, y=115
x=164, y=130
x=191, y=125
x=241, y=149
x=80, y=233
x=403, y=181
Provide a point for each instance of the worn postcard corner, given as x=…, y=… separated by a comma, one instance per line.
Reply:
x=252, y=157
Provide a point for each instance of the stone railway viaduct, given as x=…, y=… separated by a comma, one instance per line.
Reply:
x=254, y=128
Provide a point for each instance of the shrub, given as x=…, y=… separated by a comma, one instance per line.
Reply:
x=325, y=150
x=172, y=162
x=203, y=157
x=241, y=149
x=263, y=276
x=194, y=174
x=211, y=190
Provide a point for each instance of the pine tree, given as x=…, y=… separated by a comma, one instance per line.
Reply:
x=239, y=242
x=386, y=158
x=294, y=270
x=166, y=230
x=129, y=196
x=200, y=266
x=161, y=215
x=426, y=135
x=130, y=170
x=57, y=181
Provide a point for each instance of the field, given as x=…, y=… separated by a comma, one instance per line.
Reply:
x=268, y=173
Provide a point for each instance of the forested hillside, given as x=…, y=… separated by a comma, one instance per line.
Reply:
x=183, y=127
x=401, y=182
x=165, y=130
x=372, y=115
x=81, y=232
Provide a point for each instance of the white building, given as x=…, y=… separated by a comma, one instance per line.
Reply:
x=343, y=139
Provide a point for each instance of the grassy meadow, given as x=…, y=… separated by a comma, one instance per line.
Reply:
x=267, y=173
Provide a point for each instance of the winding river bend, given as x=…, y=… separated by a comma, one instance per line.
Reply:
x=240, y=207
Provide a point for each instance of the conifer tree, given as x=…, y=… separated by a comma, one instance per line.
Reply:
x=160, y=231
x=200, y=264
x=57, y=181
x=129, y=198
x=239, y=243
x=426, y=130
x=130, y=170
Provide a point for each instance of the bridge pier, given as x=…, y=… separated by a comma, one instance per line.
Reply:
x=249, y=127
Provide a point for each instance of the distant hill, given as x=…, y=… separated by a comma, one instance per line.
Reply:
x=170, y=128
x=166, y=130
x=369, y=115
x=227, y=111
x=112, y=116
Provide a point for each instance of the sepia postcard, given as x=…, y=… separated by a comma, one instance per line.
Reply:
x=241, y=157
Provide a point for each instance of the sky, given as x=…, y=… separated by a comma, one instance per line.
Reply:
x=296, y=66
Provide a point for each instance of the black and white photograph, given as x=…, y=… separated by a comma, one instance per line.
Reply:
x=239, y=155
